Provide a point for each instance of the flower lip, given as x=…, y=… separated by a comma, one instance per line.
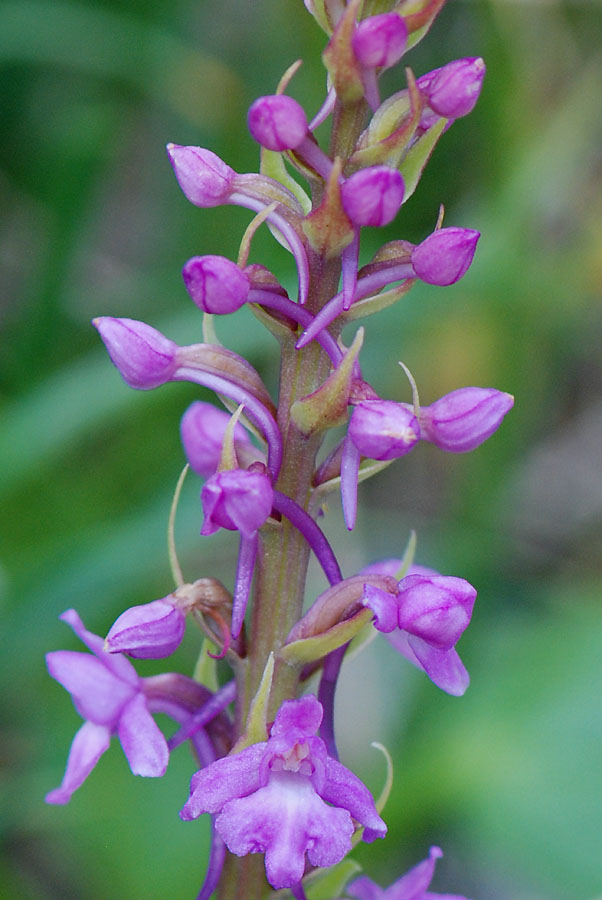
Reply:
x=277, y=122
x=286, y=798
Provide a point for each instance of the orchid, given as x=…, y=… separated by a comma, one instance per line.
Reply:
x=268, y=769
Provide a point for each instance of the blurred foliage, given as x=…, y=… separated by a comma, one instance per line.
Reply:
x=507, y=779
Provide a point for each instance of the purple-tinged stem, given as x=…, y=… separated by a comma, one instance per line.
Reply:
x=256, y=410
x=350, y=466
x=312, y=533
x=326, y=691
x=299, y=315
x=217, y=853
x=192, y=724
x=349, y=261
x=325, y=110
x=288, y=233
x=309, y=152
x=298, y=892
x=365, y=286
x=245, y=568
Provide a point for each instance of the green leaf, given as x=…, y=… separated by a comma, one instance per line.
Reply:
x=310, y=649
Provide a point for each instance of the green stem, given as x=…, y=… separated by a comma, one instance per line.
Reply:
x=283, y=559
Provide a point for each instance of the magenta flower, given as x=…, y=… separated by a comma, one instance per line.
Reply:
x=445, y=255
x=462, y=420
x=273, y=798
x=382, y=429
x=277, y=122
x=411, y=886
x=424, y=620
x=149, y=631
x=202, y=430
x=453, y=90
x=373, y=195
x=145, y=357
x=216, y=284
x=236, y=499
x=109, y=695
x=379, y=41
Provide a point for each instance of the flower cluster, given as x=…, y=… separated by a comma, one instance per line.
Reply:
x=269, y=772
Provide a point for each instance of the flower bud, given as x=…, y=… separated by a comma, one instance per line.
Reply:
x=150, y=631
x=216, y=284
x=379, y=41
x=445, y=255
x=145, y=357
x=436, y=608
x=204, y=178
x=236, y=499
x=277, y=122
x=382, y=429
x=202, y=432
x=462, y=420
x=373, y=196
x=453, y=90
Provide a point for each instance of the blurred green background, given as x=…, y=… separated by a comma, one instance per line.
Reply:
x=508, y=779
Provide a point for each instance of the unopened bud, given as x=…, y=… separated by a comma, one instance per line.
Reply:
x=277, y=122
x=236, y=499
x=150, y=631
x=463, y=419
x=202, y=432
x=145, y=357
x=379, y=41
x=445, y=255
x=373, y=196
x=204, y=178
x=436, y=608
x=382, y=429
x=453, y=90
x=216, y=284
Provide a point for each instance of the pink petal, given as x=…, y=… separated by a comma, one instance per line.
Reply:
x=225, y=779
x=88, y=745
x=97, y=694
x=443, y=667
x=118, y=665
x=344, y=789
x=142, y=740
x=414, y=883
